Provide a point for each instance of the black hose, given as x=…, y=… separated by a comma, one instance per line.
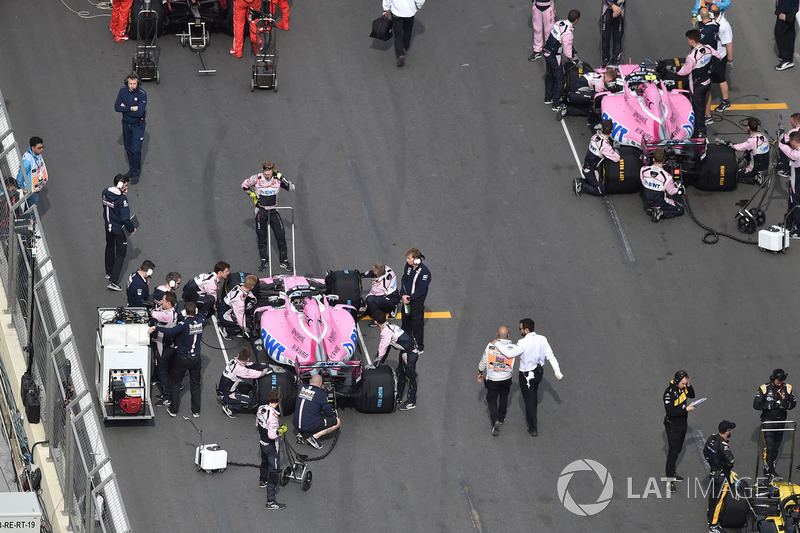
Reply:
x=712, y=236
x=306, y=460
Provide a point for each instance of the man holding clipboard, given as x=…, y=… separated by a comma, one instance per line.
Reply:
x=675, y=422
x=119, y=224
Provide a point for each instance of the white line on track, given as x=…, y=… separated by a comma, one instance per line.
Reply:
x=221, y=341
x=627, y=251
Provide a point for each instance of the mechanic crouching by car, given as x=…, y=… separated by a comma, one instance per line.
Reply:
x=756, y=154
x=393, y=336
x=580, y=95
x=313, y=414
x=232, y=314
x=657, y=187
x=600, y=148
x=202, y=289
x=773, y=399
x=231, y=391
x=383, y=295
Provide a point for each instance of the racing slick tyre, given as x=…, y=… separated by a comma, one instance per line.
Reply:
x=286, y=382
x=719, y=168
x=681, y=82
x=376, y=390
x=766, y=526
x=571, y=74
x=734, y=511
x=346, y=284
x=233, y=279
x=147, y=27
x=622, y=177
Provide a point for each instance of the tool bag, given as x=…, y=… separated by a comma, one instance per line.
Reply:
x=381, y=28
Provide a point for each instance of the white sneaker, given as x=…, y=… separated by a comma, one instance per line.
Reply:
x=228, y=411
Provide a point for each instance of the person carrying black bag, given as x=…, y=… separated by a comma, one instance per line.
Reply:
x=403, y=12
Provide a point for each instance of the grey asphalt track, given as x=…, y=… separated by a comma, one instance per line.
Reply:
x=456, y=154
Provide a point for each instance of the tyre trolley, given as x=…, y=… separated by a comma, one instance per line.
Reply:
x=145, y=61
x=264, y=74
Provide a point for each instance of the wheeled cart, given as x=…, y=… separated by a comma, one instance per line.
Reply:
x=145, y=62
x=264, y=74
x=122, y=370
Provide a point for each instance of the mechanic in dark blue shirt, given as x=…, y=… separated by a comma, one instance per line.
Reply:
x=413, y=291
x=132, y=103
x=188, y=337
x=138, y=289
x=313, y=413
x=116, y=219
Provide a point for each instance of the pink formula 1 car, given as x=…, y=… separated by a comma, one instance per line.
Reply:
x=307, y=326
x=649, y=112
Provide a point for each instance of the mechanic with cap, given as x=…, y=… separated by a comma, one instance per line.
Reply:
x=116, y=219
x=719, y=457
x=269, y=432
x=173, y=281
x=383, y=295
x=533, y=350
x=558, y=42
x=791, y=149
x=189, y=339
x=657, y=186
x=413, y=291
x=202, y=289
x=313, y=413
x=773, y=399
x=232, y=315
x=392, y=336
x=580, y=95
x=678, y=392
x=782, y=167
x=543, y=16
x=132, y=103
x=698, y=66
x=612, y=28
x=756, y=154
x=138, y=288
x=495, y=372
x=600, y=148
x=163, y=345
x=232, y=392
x=267, y=184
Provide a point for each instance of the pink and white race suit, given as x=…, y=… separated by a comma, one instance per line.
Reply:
x=543, y=17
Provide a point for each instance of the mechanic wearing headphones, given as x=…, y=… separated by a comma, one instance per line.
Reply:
x=612, y=26
x=698, y=67
x=383, y=295
x=773, y=399
x=233, y=394
x=600, y=148
x=756, y=153
x=189, y=338
x=497, y=381
x=393, y=336
x=313, y=413
x=657, y=185
x=717, y=453
x=559, y=41
x=173, y=281
x=117, y=219
x=202, y=290
x=132, y=103
x=268, y=183
x=269, y=430
x=580, y=95
x=231, y=315
x=138, y=290
x=164, y=345
x=678, y=392
x=413, y=291
x=782, y=167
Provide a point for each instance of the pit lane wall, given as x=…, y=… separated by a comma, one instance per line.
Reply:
x=79, y=489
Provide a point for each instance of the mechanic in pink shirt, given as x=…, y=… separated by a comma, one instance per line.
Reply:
x=558, y=42
x=698, y=67
x=792, y=151
x=756, y=153
x=202, y=289
x=600, y=148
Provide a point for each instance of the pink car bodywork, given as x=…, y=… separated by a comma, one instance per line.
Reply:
x=646, y=111
x=302, y=329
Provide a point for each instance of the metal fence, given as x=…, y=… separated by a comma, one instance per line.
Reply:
x=92, y=499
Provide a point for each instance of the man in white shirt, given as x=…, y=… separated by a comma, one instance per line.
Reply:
x=533, y=350
x=725, y=51
x=403, y=12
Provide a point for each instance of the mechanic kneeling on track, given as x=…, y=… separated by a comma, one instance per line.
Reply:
x=383, y=295
x=232, y=392
x=580, y=95
x=313, y=414
x=600, y=148
x=756, y=155
x=232, y=316
x=657, y=185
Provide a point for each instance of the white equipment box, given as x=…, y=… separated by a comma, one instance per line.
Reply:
x=773, y=239
x=210, y=457
x=123, y=366
x=20, y=512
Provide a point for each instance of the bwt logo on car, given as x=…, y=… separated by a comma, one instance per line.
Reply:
x=619, y=131
x=272, y=346
x=350, y=346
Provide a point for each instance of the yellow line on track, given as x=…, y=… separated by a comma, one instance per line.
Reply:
x=747, y=107
x=429, y=314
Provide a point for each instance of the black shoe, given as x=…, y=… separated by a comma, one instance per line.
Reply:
x=113, y=286
x=401, y=61
x=262, y=484
x=533, y=433
x=276, y=506
x=657, y=213
x=672, y=488
x=577, y=185
x=678, y=477
x=534, y=56
x=263, y=266
x=165, y=402
x=725, y=104
x=783, y=65
x=496, y=429
x=134, y=179
x=311, y=441
x=286, y=265
x=562, y=112
x=169, y=411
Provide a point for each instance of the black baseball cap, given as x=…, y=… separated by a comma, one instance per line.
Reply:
x=725, y=425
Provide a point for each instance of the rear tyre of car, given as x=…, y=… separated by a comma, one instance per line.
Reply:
x=286, y=382
x=718, y=170
x=375, y=392
x=622, y=177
